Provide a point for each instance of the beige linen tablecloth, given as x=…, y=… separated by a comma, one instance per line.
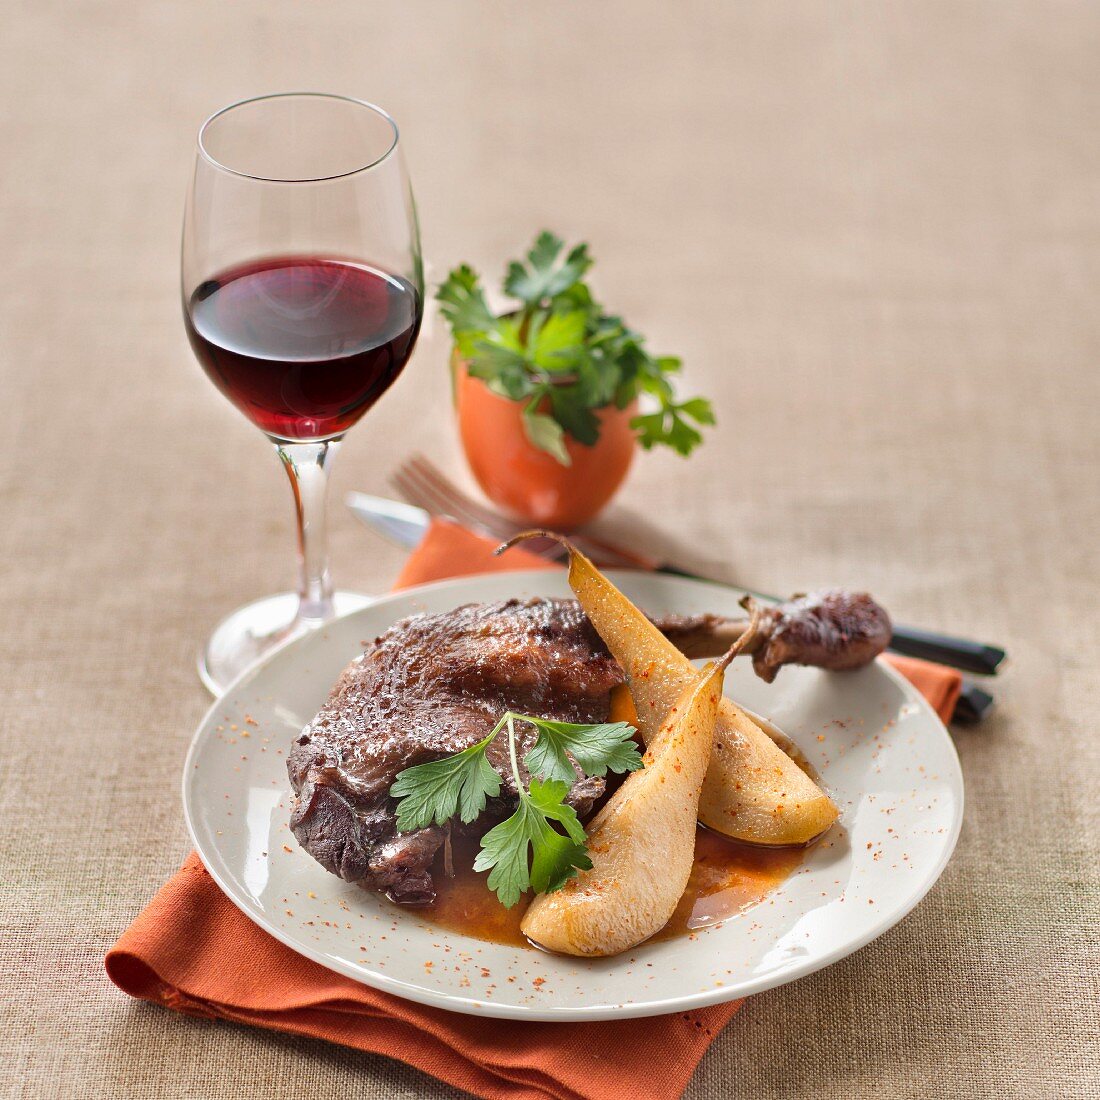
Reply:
x=873, y=233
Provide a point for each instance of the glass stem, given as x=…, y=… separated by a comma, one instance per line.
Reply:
x=307, y=466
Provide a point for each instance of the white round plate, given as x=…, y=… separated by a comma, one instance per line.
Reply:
x=878, y=747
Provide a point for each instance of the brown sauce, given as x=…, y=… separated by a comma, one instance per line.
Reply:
x=727, y=877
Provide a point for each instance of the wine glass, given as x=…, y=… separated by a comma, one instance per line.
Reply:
x=303, y=293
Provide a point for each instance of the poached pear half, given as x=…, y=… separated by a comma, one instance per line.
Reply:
x=753, y=791
x=641, y=843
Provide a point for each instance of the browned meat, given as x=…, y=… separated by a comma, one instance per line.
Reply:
x=431, y=686
x=434, y=684
x=831, y=629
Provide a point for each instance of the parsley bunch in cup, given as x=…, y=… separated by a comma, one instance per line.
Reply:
x=564, y=357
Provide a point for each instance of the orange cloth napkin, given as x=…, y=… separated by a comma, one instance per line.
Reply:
x=192, y=950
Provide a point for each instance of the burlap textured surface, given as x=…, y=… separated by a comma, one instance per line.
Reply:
x=872, y=232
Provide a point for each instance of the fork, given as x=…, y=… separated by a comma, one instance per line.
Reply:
x=422, y=483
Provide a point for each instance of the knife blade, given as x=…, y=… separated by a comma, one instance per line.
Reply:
x=401, y=523
x=406, y=524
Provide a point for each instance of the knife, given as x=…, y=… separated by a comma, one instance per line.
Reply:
x=401, y=523
x=406, y=524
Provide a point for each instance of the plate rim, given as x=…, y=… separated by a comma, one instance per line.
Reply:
x=385, y=983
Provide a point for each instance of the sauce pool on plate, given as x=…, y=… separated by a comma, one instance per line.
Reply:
x=726, y=878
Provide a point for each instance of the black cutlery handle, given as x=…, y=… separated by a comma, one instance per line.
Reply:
x=973, y=704
x=910, y=641
x=960, y=653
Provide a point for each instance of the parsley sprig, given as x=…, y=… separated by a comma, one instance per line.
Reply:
x=561, y=355
x=525, y=851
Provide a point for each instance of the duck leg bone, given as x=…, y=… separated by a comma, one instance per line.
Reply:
x=832, y=629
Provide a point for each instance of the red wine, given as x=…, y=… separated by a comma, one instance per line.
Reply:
x=303, y=346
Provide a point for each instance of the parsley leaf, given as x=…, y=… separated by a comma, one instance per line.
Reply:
x=556, y=345
x=545, y=432
x=463, y=303
x=597, y=749
x=572, y=415
x=545, y=278
x=436, y=791
x=526, y=851
x=669, y=425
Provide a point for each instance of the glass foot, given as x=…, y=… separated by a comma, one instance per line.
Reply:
x=250, y=632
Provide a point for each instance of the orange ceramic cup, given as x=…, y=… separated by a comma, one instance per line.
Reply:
x=527, y=482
